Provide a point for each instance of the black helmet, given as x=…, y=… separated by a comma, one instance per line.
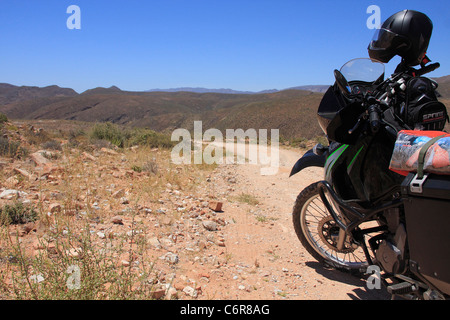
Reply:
x=406, y=33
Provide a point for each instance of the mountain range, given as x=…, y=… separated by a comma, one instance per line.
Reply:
x=292, y=111
x=313, y=88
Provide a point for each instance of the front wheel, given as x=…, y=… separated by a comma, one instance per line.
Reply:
x=319, y=233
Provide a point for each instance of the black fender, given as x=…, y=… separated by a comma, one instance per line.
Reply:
x=309, y=159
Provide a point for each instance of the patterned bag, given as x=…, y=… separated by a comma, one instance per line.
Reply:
x=435, y=146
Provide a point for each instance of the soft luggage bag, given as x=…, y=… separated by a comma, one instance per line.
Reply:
x=416, y=150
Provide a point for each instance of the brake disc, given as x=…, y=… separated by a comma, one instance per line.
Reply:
x=329, y=234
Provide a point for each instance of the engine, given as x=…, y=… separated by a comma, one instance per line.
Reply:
x=391, y=252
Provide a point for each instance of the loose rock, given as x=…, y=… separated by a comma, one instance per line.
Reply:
x=215, y=206
x=117, y=220
x=210, y=225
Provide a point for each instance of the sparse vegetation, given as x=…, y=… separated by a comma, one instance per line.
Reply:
x=113, y=263
x=52, y=145
x=248, y=198
x=17, y=213
x=150, y=138
x=3, y=118
x=7, y=148
x=304, y=143
x=109, y=132
x=12, y=149
x=149, y=166
x=36, y=137
x=74, y=267
x=124, y=137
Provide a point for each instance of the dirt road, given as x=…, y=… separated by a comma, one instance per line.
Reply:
x=265, y=260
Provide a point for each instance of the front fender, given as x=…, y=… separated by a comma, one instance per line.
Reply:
x=309, y=159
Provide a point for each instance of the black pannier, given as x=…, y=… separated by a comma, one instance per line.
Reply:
x=427, y=210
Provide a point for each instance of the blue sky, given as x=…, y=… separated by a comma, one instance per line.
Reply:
x=243, y=45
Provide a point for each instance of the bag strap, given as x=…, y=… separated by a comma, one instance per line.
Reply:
x=423, y=152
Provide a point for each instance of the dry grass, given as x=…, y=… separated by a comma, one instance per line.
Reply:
x=248, y=198
x=66, y=258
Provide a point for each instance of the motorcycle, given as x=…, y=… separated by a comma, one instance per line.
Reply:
x=364, y=213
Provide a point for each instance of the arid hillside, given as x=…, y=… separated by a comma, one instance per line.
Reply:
x=293, y=112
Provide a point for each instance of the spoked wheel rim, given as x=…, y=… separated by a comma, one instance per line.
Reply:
x=321, y=232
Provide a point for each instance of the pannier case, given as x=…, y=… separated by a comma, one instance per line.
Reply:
x=427, y=210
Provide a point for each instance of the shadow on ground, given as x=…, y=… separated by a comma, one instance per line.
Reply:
x=361, y=292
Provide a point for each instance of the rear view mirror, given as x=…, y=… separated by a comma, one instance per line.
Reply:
x=342, y=83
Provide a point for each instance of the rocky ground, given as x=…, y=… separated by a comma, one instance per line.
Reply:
x=222, y=232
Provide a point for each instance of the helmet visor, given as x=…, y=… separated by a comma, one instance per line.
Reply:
x=387, y=40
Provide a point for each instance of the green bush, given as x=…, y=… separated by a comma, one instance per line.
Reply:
x=3, y=118
x=150, y=138
x=109, y=132
x=37, y=137
x=8, y=148
x=129, y=137
x=12, y=149
x=52, y=145
x=17, y=214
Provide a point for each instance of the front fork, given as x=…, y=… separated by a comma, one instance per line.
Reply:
x=341, y=239
x=320, y=150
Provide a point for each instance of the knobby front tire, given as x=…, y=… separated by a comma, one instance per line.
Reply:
x=318, y=233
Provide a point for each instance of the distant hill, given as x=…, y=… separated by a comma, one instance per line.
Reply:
x=444, y=86
x=10, y=93
x=291, y=111
x=101, y=90
x=205, y=90
x=313, y=88
x=444, y=79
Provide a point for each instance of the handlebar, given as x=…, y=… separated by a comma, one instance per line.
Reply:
x=374, y=118
x=390, y=86
x=427, y=69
